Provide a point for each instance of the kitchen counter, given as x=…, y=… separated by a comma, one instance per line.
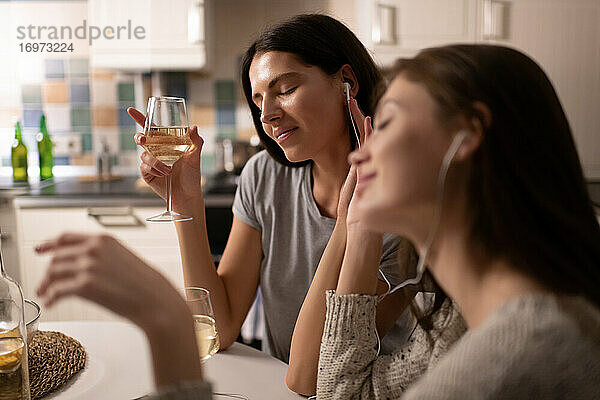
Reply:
x=73, y=192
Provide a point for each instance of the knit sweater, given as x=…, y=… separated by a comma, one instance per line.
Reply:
x=534, y=346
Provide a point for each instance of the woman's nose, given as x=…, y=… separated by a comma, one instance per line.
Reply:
x=270, y=112
x=357, y=157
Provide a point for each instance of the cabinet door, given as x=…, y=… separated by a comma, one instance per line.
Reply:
x=159, y=34
x=400, y=28
x=155, y=243
x=8, y=237
x=564, y=38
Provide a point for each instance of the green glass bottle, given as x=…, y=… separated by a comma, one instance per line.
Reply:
x=18, y=156
x=45, y=151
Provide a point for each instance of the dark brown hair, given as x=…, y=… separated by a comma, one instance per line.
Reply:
x=321, y=41
x=526, y=190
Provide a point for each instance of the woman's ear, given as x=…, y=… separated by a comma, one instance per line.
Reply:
x=470, y=141
x=483, y=113
x=473, y=134
x=347, y=75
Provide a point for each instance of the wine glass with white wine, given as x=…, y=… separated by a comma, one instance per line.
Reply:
x=167, y=137
x=207, y=337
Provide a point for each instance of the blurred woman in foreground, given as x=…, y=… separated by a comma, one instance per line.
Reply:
x=473, y=160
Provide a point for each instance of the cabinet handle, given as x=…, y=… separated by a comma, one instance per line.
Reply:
x=495, y=19
x=115, y=217
x=5, y=236
x=196, y=22
x=384, y=25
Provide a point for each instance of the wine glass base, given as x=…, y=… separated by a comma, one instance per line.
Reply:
x=169, y=216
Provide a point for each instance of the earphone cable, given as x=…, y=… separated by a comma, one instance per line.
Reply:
x=441, y=184
x=353, y=123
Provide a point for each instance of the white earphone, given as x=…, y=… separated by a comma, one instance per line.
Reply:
x=448, y=157
x=347, y=87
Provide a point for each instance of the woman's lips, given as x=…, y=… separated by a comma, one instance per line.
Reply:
x=363, y=182
x=286, y=134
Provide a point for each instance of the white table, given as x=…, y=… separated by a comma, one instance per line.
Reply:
x=119, y=365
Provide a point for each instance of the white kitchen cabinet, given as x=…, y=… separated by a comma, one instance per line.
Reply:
x=400, y=28
x=563, y=36
x=155, y=243
x=174, y=34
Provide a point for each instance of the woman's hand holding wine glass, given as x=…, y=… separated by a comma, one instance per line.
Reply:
x=185, y=173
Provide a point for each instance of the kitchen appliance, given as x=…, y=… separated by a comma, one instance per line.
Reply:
x=231, y=155
x=230, y=158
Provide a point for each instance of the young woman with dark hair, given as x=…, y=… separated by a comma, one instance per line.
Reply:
x=473, y=160
x=323, y=42
x=292, y=78
x=286, y=206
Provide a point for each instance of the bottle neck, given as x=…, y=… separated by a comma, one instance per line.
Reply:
x=44, y=130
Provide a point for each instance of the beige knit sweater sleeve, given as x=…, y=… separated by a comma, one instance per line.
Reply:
x=349, y=367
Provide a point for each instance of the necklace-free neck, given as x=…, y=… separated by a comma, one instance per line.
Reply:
x=478, y=285
x=329, y=171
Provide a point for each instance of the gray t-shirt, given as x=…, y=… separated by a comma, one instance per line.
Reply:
x=278, y=201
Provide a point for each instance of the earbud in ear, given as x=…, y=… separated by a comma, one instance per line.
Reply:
x=460, y=137
x=454, y=146
x=347, y=87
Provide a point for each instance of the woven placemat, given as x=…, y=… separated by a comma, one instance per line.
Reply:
x=54, y=358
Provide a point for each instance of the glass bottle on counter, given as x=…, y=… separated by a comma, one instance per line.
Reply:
x=18, y=156
x=14, y=371
x=45, y=151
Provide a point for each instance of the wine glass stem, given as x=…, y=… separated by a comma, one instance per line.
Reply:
x=169, y=195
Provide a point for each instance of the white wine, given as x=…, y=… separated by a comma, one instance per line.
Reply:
x=11, y=353
x=12, y=375
x=167, y=144
x=206, y=336
x=8, y=332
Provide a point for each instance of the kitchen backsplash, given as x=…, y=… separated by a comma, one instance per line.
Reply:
x=86, y=107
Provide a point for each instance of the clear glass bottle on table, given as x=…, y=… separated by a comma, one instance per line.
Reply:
x=45, y=151
x=14, y=372
x=18, y=156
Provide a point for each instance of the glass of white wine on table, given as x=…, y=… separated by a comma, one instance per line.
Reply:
x=167, y=133
x=207, y=337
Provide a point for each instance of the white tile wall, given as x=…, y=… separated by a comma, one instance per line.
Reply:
x=104, y=92
x=58, y=117
x=110, y=135
x=66, y=145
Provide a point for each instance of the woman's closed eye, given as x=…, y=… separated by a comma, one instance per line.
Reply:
x=382, y=124
x=283, y=93
x=289, y=91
